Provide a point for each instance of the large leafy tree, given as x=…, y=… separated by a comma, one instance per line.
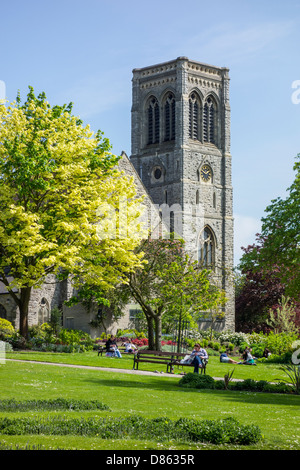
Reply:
x=271, y=266
x=278, y=245
x=60, y=194
x=169, y=282
x=259, y=290
x=256, y=292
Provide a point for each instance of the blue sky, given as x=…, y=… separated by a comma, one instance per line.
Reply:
x=84, y=52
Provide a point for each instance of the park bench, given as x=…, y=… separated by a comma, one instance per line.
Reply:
x=179, y=356
x=170, y=359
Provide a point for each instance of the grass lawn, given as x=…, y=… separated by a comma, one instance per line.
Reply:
x=262, y=371
x=277, y=415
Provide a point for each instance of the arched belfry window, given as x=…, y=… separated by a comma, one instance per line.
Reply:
x=169, y=115
x=209, y=120
x=153, y=121
x=206, y=248
x=194, y=116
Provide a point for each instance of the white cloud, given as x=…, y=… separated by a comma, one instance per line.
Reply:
x=245, y=229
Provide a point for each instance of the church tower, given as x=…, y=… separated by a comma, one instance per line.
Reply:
x=181, y=151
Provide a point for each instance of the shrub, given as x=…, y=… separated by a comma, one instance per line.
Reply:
x=192, y=380
x=54, y=404
x=140, y=342
x=216, y=346
x=6, y=327
x=293, y=372
x=259, y=386
x=235, y=338
x=43, y=338
x=214, y=431
x=197, y=381
x=277, y=343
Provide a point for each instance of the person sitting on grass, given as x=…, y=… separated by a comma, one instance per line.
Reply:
x=248, y=358
x=266, y=353
x=226, y=359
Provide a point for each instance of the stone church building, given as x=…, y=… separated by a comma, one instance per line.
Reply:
x=180, y=160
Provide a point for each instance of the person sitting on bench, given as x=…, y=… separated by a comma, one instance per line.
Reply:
x=198, y=354
x=130, y=347
x=112, y=348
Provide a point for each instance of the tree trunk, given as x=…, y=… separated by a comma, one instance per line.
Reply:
x=23, y=307
x=151, y=342
x=157, y=321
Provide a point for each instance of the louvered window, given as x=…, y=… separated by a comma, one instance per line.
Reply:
x=209, y=112
x=153, y=121
x=170, y=117
x=194, y=113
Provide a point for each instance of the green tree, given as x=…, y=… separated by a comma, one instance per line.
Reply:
x=59, y=185
x=167, y=282
x=278, y=245
x=170, y=282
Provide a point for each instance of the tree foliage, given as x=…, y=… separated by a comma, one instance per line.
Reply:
x=257, y=291
x=58, y=182
x=278, y=245
x=171, y=283
x=271, y=266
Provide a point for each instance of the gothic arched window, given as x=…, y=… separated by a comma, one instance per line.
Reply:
x=44, y=311
x=3, y=312
x=153, y=121
x=206, y=248
x=169, y=115
x=194, y=117
x=209, y=121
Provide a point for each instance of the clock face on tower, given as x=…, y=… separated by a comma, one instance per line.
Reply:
x=206, y=173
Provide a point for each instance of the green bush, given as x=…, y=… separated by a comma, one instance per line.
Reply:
x=215, y=431
x=6, y=327
x=260, y=386
x=277, y=343
x=192, y=380
x=55, y=404
x=44, y=338
x=231, y=337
